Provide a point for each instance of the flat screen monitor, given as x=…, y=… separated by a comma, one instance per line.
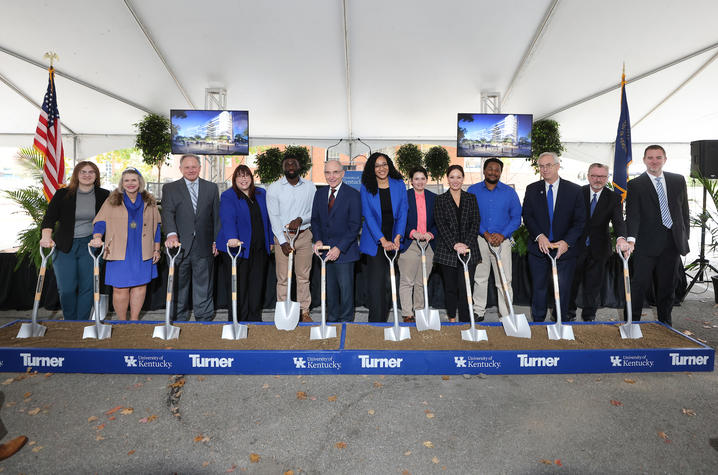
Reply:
x=494, y=135
x=210, y=132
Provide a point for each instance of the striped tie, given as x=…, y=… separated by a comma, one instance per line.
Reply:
x=193, y=194
x=663, y=203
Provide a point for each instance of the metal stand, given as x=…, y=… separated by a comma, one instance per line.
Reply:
x=322, y=332
x=234, y=331
x=34, y=329
x=98, y=330
x=395, y=332
x=473, y=333
x=702, y=263
x=167, y=331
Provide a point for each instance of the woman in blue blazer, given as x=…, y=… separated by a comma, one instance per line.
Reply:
x=419, y=226
x=243, y=218
x=384, y=208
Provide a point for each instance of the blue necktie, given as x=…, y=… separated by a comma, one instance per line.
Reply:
x=593, y=208
x=663, y=203
x=549, y=199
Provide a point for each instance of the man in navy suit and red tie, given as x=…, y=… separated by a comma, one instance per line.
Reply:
x=657, y=220
x=554, y=215
x=603, y=206
x=336, y=220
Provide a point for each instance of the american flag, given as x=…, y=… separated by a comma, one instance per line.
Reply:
x=48, y=140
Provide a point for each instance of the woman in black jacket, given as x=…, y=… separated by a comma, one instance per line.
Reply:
x=457, y=218
x=74, y=208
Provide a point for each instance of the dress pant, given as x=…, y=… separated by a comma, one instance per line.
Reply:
x=661, y=270
x=541, y=275
x=196, y=272
x=377, y=275
x=303, y=253
x=591, y=272
x=251, y=276
x=73, y=271
x=411, y=278
x=455, y=291
x=483, y=270
x=340, y=291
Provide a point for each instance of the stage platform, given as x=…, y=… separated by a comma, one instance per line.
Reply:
x=62, y=350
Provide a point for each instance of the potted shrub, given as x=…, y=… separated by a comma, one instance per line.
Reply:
x=154, y=140
x=408, y=157
x=269, y=165
x=437, y=161
x=545, y=137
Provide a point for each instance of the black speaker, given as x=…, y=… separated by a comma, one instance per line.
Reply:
x=704, y=158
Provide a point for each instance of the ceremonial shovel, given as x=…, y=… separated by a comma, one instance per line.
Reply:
x=167, y=331
x=99, y=330
x=629, y=330
x=427, y=318
x=35, y=329
x=286, y=314
x=558, y=331
x=323, y=331
x=395, y=332
x=234, y=331
x=472, y=334
x=514, y=325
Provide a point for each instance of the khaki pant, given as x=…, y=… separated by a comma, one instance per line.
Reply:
x=481, y=279
x=411, y=278
x=302, y=268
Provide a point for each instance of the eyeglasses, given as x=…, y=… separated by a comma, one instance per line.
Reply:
x=602, y=177
x=86, y=172
x=381, y=165
x=547, y=166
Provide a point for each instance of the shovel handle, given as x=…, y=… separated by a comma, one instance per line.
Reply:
x=391, y=259
x=466, y=253
x=95, y=256
x=234, y=256
x=291, y=235
x=422, y=243
x=173, y=256
x=44, y=256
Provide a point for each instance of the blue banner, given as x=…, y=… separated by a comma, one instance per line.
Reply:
x=622, y=156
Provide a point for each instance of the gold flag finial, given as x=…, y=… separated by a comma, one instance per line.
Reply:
x=52, y=56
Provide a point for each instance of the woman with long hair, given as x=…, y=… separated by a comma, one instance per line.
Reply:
x=384, y=208
x=130, y=222
x=244, y=220
x=457, y=218
x=72, y=209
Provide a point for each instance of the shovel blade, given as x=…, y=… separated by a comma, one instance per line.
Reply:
x=323, y=332
x=559, y=331
x=516, y=326
x=395, y=333
x=28, y=330
x=286, y=315
x=234, y=332
x=427, y=322
x=166, y=332
x=98, y=332
x=630, y=331
x=474, y=334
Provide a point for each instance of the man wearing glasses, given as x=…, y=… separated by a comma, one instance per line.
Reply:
x=554, y=215
x=594, y=246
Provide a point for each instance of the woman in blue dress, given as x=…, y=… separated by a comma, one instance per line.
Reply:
x=130, y=221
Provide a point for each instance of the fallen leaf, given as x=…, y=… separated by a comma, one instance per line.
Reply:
x=435, y=459
x=332, y=398
x=204, y=464
x=405, y=472
x=201, y=438
x=201, y=378
x=37, y=448
x=313, y=398
x=254, y=458
x=8, y=381
x=92, y=419
x=265, y=386
x=546, y=462
x=377, y=384
x=152, y=418
x=130, y=452
x=289, y=472
x=231, y=469
x=446, y=378
x=664, y=436
x=27, y=395
x=10, y=404
x=34, y=412
x=569, y=380
x=629, y=381
x=301, y=395
x=428, y=444
x=407, y=453
x=371, y=412
x=687, y=332
x=341, y=445
x=558, y=462
x=429, y=415
x=127, y=411
x=99, y=437
x=113, y=410
x=111, y=418
x=137, y=385
x=178, y=384
x=100, y=427
x=47, y=375
x=688, y=412
x=143, y=420
x=616, y=403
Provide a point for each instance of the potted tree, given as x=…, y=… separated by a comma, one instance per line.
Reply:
x=545, y=137
x=154, y=140
x=408, y=157
x=269, y=165
x=437, y=161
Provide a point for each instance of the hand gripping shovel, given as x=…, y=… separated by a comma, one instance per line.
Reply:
x=427, y=318
x=629, y=330
x=323, y=331
x=167, y=331
x=234, y=331
x=286, y=314
x=514, y=325
x=395, y=332
x=99, y=330
x=472, y=334
x=35, y=329
x=558, y=331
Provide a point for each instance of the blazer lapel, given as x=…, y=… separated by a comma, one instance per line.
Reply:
x=651, y=188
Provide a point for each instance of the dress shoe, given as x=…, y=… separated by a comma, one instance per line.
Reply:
x=9, y=449
x=477, y=318
x=305, y=317
x=409, y=319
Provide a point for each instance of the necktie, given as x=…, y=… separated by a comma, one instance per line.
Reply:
x=593, y=208
x=193, y=195
x=663, y=203
x=549, y=200
x=331, y=198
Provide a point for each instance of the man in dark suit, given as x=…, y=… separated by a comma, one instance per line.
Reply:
x=657, y=222
x=594, y=246
x=554, y=215
x=336, y=220
x=190, y=215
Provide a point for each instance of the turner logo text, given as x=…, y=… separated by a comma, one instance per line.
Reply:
x=526, y=362
x=367, y=362
x=206, y=362
x=678, y=360
x=51, y=361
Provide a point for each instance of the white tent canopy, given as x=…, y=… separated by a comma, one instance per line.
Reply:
x=384, y=71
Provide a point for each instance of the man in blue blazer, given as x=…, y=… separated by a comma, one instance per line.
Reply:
x=336, y=219
x=555, y=216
